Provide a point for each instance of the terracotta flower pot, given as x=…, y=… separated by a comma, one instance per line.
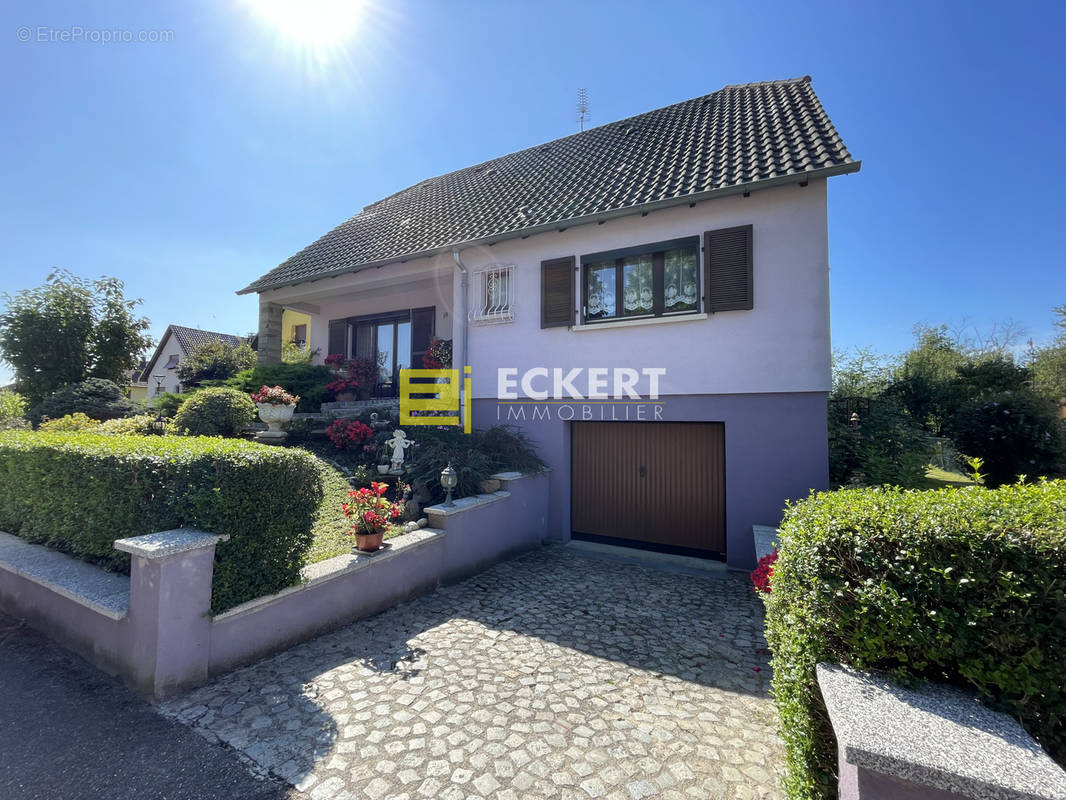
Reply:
x=368, y=542
x=345, y=397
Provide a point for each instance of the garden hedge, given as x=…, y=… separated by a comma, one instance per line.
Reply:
x=78, y=492
x=964, y=586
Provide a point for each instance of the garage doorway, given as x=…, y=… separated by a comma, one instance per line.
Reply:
x=656, y=485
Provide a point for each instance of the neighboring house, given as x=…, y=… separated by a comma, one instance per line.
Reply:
x=161, y=374
x=691, y=239
x=138, y=385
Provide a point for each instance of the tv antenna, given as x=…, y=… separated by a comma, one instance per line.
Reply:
x=582, y=107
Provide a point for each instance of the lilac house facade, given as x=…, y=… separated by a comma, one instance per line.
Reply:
x=648, y=300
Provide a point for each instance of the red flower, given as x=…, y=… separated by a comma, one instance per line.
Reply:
x=762, y=574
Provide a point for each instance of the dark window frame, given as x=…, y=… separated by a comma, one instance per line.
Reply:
x=657, y=250
x=389, y=387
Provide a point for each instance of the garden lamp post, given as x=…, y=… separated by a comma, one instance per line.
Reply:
x=449, y=479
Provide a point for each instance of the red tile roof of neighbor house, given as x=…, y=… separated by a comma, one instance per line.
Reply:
x=738, y=138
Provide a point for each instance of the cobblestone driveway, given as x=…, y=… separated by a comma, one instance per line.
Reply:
x=555, y=675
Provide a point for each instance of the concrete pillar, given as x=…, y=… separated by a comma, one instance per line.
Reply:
x=270, y=332
x=169, y=628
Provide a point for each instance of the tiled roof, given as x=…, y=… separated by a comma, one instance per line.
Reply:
x=189, y=338
x=725, y=141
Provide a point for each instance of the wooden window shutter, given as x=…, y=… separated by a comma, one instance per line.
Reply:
x=557, y=292
x=338, y=337
x=423, y=327
x=727, y=269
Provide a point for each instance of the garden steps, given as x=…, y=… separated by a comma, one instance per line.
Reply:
x=105, y=592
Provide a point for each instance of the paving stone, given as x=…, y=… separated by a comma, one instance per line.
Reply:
x=551, y=675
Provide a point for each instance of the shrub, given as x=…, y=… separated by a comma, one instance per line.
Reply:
x=79, y=492
x=962, y=586
x=97, y=398
x=764, y=572
x=12, y=405
x=69, y=424
x=215, y=412
x=1014, y=433
x=348, y=434
x=887, y=448
x=168, y=403
x=307, y=380
x=140, y=425
x=475, y=457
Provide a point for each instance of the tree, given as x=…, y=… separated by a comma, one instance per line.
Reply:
x=68, y=330
x=926, y=379
x=97, y=398
x=1048, y=363
x=215, y=360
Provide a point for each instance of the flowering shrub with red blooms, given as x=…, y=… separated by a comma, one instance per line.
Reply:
x=361, y=373
x=764, y=572
x=439, y=354
x=369, y=511
x=275, y=396
x=342, y=385
x=348, y=433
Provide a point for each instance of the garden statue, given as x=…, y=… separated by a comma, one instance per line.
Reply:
x=398, y=443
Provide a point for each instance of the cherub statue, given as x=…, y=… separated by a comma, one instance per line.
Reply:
x=398, y=443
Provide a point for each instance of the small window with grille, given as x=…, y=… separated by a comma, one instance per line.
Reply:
x=493, y=294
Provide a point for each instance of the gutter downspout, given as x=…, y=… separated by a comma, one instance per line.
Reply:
x=461, y=359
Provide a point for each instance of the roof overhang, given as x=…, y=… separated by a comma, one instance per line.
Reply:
x=522, y=233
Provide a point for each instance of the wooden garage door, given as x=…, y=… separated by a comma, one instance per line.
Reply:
x=661, y=483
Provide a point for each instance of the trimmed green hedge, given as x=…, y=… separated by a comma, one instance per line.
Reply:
x=964, y=586
x=79, y=492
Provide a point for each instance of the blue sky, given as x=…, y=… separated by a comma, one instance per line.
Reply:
x=187, y=168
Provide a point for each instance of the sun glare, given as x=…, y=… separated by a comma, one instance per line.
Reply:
x=311, y=23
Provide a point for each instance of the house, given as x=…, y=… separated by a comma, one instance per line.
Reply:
x=161, y=374
x=648, y=299
x=137, y=382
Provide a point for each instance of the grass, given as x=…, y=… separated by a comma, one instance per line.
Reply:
x=936, y=478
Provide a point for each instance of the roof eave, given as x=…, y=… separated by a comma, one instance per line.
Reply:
x=521, y=233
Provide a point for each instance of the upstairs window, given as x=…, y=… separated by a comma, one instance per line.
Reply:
x=172, y=362
x=648, y=281
x=493, y=294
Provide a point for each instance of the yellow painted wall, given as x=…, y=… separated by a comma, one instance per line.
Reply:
x=138, y=393
x=289, y=320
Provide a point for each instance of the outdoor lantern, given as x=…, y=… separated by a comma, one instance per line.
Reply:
x=449, y=479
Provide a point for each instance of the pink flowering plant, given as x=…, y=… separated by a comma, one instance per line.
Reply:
x=370, y=511
x=764, y=572
x=275, y=396
x=348, y=434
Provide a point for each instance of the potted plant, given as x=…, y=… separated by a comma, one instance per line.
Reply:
x=276, y=406
x=364, y=372
x=371, y=514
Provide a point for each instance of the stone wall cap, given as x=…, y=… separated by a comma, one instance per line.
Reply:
x=464, y=504
x=935, y=735
x=168, y=543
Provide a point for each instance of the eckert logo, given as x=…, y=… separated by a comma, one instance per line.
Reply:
x=601, y=383
x=586, y=393
x=432, y=396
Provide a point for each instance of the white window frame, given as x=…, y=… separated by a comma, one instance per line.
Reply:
x=483, y=309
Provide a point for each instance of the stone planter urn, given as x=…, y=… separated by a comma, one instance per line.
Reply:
x=274, y=416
